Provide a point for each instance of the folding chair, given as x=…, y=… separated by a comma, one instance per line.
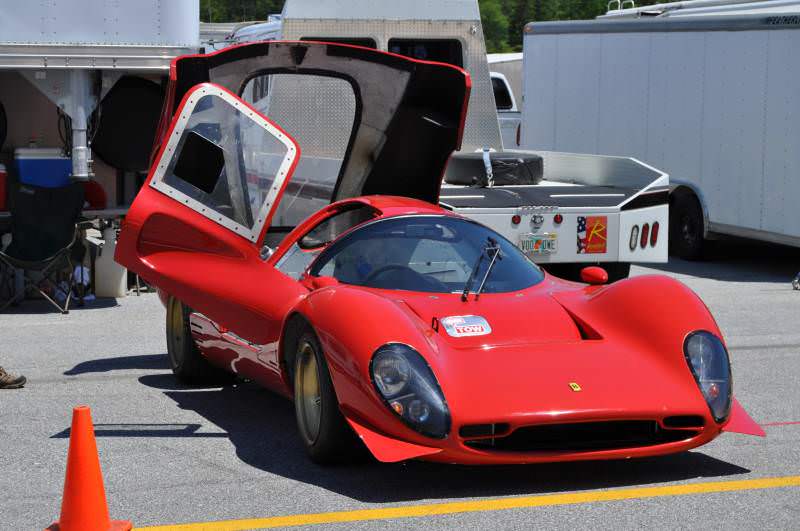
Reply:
x=44, y=231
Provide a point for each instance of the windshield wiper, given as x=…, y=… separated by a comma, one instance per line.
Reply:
x=490, y=247
x=494, y=250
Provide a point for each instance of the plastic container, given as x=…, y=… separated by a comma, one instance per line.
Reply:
x=3, y=188
x=111, y=279
x=46, y=167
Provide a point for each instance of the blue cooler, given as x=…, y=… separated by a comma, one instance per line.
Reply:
x=46, y=167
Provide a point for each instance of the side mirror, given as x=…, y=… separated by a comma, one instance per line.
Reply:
x=594, y=275
x=315, y=283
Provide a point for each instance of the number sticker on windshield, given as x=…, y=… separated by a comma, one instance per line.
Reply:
x=466, y=325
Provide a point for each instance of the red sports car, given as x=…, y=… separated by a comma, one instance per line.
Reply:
x=383, y=315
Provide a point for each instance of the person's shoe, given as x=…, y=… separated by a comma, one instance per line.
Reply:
x=11, y=381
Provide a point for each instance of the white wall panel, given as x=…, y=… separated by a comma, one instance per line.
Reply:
x=578, y=96
x=623, y=94
x=539, y=87
x=781, y=186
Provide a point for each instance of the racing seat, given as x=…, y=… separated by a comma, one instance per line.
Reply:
x=44, y=234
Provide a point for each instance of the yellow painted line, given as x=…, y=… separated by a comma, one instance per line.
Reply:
x=499, y=504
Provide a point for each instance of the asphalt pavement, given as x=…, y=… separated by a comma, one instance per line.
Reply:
x=175, y=455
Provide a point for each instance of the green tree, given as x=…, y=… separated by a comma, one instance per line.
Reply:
x=495, y=25
x=238, y=10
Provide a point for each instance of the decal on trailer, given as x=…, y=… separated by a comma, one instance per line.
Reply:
x=592, y=234
x=466, y=325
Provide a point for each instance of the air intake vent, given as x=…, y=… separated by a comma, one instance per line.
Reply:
x=470, y=431
x=583, y=437
x=684, y=421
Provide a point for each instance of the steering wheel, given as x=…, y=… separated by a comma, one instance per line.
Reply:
x=433, y=283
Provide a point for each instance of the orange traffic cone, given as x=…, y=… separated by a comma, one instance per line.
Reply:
x=83, y=507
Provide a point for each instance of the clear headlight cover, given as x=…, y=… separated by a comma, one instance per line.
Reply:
x=710, y=365
x=405, y=381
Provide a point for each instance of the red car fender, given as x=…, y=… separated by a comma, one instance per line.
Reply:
x=351, y=323
x=624, y=311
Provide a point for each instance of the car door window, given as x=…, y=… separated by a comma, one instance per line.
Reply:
x=319, y=112
x=225, y=161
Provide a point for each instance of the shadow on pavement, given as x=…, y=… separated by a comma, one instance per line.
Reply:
x=144, y=430
x=262, y=428
x=41, y=306
x=743, y=261
x=149, y=361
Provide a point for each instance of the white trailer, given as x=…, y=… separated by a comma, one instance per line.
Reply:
x=707, y=90
x=582, y=209
x=69, y=49
x=60, y=62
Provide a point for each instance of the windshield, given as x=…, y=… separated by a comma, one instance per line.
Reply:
x=435, y=254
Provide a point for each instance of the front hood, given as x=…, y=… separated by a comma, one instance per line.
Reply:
x=565, y=382
x=526, y=317
x=522, y=370
x=409, y=114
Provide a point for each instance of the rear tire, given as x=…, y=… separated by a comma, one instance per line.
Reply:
x=686, y=227
x=327, y=437
x=185, y=359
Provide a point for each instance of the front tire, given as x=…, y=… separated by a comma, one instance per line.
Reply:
x=323, y=430
x=185, y=359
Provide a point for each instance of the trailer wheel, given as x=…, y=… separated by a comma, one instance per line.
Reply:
x=686, y=227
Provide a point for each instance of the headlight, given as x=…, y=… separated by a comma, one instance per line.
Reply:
x=409, y=388
x=708, y=360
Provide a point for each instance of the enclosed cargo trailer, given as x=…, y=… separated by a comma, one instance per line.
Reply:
x=699, y=89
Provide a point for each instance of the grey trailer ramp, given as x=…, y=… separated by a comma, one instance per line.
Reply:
x=713, y=100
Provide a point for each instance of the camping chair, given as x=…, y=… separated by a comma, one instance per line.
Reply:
x=44, y=233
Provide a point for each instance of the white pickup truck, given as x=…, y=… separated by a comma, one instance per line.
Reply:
x=505, y=70
x=560, y=208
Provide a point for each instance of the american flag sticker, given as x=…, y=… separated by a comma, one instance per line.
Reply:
x=592, y=234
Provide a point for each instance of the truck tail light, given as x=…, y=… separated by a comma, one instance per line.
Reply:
x=516, y=219
x=645, y=235
x=634, y=237
x=654, y=235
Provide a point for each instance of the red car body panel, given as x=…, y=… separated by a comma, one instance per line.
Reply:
x=560, y=353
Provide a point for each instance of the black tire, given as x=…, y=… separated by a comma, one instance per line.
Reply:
x=327, y=437
x=617, y=270
x=686, y=228
x=185, y=359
